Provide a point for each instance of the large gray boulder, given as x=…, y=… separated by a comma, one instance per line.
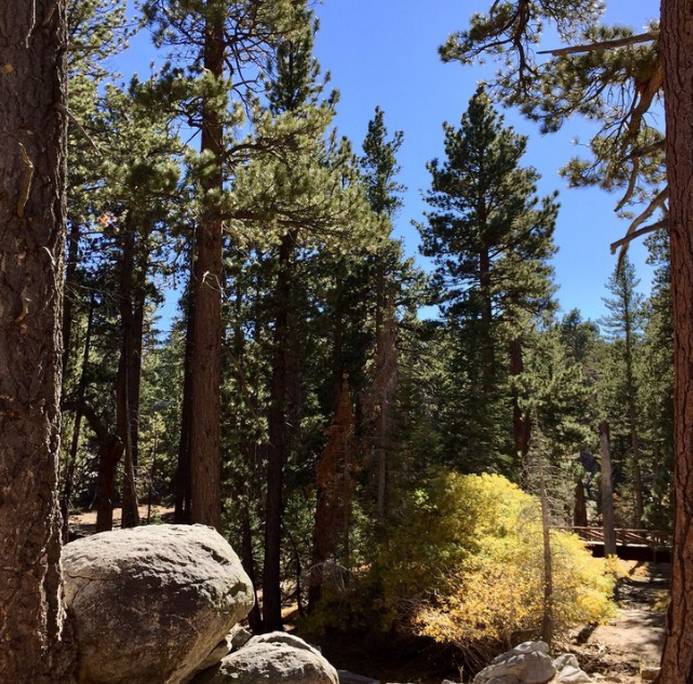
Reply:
x=150, y=603
x=276, y=657
x=527, y=663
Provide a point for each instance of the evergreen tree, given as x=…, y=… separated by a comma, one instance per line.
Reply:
x=603, y=68
x=623, y=328
x=490, y=237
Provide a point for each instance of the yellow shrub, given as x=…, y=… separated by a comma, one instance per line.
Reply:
x=467, y=564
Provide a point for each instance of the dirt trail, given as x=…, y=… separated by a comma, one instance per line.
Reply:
x=614, y=652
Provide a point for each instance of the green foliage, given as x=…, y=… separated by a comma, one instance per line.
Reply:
x=463, y=565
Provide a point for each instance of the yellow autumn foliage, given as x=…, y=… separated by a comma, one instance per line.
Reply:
x=466, y=565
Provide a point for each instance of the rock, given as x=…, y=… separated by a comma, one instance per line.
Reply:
x=275, y=657
x=565, y=659
x=351, y=678
x=572, y=675
x=238, y=637
x=649, y=673
x=151, y=603
x=527, y=663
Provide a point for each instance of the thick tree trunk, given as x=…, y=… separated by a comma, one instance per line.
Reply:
x=277, y=447
x=580, y=508
x=334, y=479
x=607, y=491
x=205, y=354
x=677, y=49
x=32, y=235
x=182, y=484
x=128, y=375
x=68, y=480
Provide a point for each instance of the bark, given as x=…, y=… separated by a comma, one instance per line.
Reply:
x=677, y=49
x=129, y=367
x=205, y=353
x=580, y=510
x=277, y=447
x=182, y=503
x=334, y=479
x=607, y=491
x=32, y=236
x=76, y=429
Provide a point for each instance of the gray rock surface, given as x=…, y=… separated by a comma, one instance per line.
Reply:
x=276, y=657
x=571, y=674
x=151, y=603
x=527, y=663
x=565, y=659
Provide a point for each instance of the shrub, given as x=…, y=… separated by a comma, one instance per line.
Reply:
x=465, y=565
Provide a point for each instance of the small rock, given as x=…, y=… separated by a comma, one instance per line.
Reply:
x=573, y=675
x=528, y=663
x=565, y=659
x=238, y=637
x=275, y=657
x=648, y=673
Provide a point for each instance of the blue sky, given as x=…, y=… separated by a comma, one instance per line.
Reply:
x=384, y=52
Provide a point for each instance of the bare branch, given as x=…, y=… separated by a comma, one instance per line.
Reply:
x=603, y=45
x=652, y=228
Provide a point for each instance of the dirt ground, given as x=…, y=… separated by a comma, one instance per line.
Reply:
x=615, y=652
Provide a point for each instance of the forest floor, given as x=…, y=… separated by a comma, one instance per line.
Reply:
x=614, y=652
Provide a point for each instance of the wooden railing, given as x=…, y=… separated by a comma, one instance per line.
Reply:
x=624, y=536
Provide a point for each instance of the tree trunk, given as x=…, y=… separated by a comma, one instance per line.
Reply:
x=277, y=447
x=182, y=503
x=488, y=355
x=334, y=479
x=547, y=617
x=74, y=444
x=127, y=371
x=205, y=353
x=248, y=560
x=580, y=509
x=677, y=48
x=607, y=492
x=32, y=216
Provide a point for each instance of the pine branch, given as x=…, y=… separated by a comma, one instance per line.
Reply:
x=637, y=233
x=602, y=45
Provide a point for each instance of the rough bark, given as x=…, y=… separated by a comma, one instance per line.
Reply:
x=127, y=384
x=32, y=235
x=607, y=491
x=334, y=479
x=677, y=49
x=580, y=508
x=205, y=353
x=182, y=503
x=277, y=447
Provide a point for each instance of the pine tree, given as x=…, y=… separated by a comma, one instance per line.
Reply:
x=33, y=137
x=490, y=237
x=603, y=68
x=623, y=327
